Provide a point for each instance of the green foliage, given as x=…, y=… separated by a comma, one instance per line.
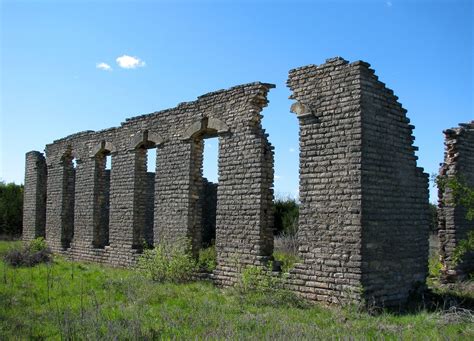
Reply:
x=31, y=254
x=11, y=209
x=434, y=266
x=78, y=301
x=434, y=217
x=259, y=287
x=208, y=258
x=37, y=245
x=462, y=195
x=286, y=213
x=288, y=260
x=168, y=262
x=258, y=279
x=464, y=246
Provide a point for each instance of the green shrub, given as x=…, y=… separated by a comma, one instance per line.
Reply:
x=208, y=258
x=257, y=279
x=434, y=266
x=464, y=246
x=259, y=287
x=31, y=254
x=461, y=195
x=168, y=262
x=37, y=245
x=288, y=260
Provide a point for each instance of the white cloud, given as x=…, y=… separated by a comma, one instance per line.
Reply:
x=103, y=66
x=292, y=150
x=129, y=62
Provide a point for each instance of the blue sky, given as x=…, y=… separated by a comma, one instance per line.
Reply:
x=51, y=85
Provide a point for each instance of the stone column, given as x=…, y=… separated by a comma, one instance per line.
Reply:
x=364, y=215
x=453, y=223
x=34, y=199
x=60, y=202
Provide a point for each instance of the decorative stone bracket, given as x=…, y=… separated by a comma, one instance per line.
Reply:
x=147, y=139
x=206, y=124
x=301, y=110
x=101, y=147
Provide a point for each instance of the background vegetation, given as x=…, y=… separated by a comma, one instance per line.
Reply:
x=11, y=209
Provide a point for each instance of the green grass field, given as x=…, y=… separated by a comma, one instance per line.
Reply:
x=67, y=300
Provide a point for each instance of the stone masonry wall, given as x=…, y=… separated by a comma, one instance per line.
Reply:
x=453, y=225
x=364, y=215
x=106, y=216
x=34, y=200
x=363, y=224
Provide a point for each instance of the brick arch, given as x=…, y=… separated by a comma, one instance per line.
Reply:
x=146, y=139
x=101, y=147
x=210, y=125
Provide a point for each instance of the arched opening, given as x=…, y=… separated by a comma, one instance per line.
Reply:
x=69, y=164
x=151, y=161
x=146, y=153
x=103, y=166
x=210, y=182
x=204, y=180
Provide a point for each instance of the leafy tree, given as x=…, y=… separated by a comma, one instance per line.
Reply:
x=11, y=209
x=434, y=217
x=463, y=195
x=286, y=212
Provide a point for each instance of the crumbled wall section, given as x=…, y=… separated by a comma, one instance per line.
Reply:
x=107, y=216
x=34, y=200
x=363, y=224
x=453, y=225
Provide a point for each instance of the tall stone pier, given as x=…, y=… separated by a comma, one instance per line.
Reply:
x=453, y=223
x=363, y=226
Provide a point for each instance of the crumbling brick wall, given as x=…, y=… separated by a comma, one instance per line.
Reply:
x=364, y=216
x=363, y=224
x=453, y=223
x=106, y=216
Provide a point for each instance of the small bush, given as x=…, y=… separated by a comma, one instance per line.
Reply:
x=208, y=259
x=464, y=247
x=31, y=254
x=434, y=266
x=288, y=260
x=259, y=287
x=168, y=263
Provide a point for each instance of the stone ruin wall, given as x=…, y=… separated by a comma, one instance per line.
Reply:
x=363, y=225
x=106, y=216
x=363, y=228
x=453, y=225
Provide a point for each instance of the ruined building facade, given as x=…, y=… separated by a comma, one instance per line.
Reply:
x=454, y=224
x=363, y=228
x=363, y=225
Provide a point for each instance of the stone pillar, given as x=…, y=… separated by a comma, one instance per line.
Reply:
x=60, y=202
x=34, y=198
x=84, y=204
x=453, y=223
x=122, y=177
x=244, y=229
x=363, y=226
x=172, y=192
